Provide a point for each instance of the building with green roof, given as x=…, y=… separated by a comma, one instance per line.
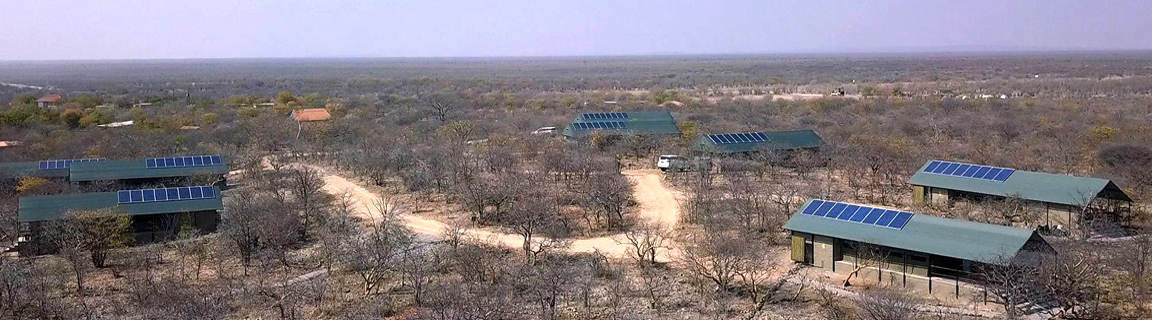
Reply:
x=1057, y=199
x=127, y=172
x=916, y=251
x=152, y=219
x=749, y=142
x=622, y=123
x=17, y=170
x=138, y=169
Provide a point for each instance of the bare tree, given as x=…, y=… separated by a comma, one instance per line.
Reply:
x=1012, y=280
x=645, y=239
x=889, y=305
x=418, y=264
x=373, y=254
x=310, y=199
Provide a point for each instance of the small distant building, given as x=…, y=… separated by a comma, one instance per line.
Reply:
x=1058, y=199
x=49, y=101
x=9, y=144
x=931, y=255
x=759, y=141
x=157, y=214
x=656, y=123
x=310, y=115
x=142, y=105
x=264, y=105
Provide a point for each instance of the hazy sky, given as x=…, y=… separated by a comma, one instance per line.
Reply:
x=127, y=29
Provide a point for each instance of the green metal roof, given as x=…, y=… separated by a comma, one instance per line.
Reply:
x=647, y=122
x=928, y=234
x=1035, y=186
x=39, y=208
x=28, y=169
x=137, y=169
x=779, y=140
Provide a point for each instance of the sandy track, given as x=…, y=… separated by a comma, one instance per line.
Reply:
x=656, y=203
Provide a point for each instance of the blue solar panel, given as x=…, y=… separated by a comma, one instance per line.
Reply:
x=980, y=173
x=969, y=170
x=932, y=166
x=858, y=214
x=181, y=162
x=837, y=208
x=972, y=171
x=886, y=218
x=873, y=216
x=811, y=208
x=823, y=209
x=165, y=194
x=1004, y=174
x=739, y=137
x=848, y=212
x=900, y=220
x=960, y=170
x=64, y=164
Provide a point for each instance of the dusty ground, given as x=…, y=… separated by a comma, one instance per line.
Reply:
x=656, y=203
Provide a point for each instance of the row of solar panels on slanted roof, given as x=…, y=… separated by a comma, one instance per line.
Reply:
x=181, y=162
x=872, y=216
x=743, y=137
x=165, y=194
x=973, y=171
x=65, y=164
x=600, y=125
x=604, y=116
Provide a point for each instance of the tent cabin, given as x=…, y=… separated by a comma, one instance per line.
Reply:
x=157, y=214
x=760, y=141
x=206, y=169
x=1058, y=200
x=49, y=169
x=125, y=172
x=923, y=253
x=649, y=123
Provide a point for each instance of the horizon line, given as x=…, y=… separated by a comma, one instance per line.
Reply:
x=893, y=52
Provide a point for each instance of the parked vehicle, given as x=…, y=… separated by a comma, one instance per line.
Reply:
x=545, y=130
x=667, y=161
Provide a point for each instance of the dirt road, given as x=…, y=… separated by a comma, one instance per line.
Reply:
x=656, y=203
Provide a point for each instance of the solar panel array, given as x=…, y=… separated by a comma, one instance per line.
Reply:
x=611, y=125
x=181, y=162
x=604, y=116
x=973, y=171
x=65, y=164
x=743, y=137
x=165, y=194
x=878, y=217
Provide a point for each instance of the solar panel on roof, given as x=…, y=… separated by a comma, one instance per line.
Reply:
x=165, y=194
x=877, y=217
x=965, y=170
x=739, y=137
x=65, y=164
x=182, y=162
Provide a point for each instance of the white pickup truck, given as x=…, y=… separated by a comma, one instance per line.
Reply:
x=667, y=161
